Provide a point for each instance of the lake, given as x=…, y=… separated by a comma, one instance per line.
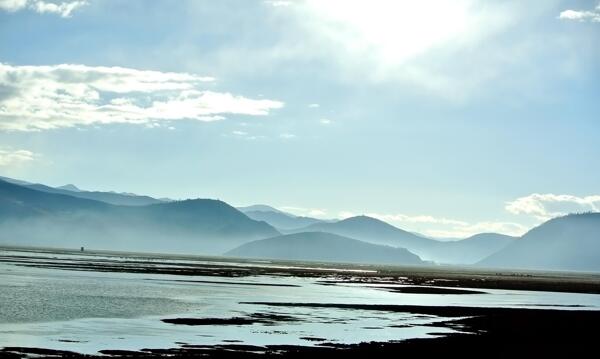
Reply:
x=57, y=301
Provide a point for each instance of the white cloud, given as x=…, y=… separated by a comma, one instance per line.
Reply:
x=346, y=214
x=64, y=9
x=444, y=227
x=416, y=219
x=325, y=121
x=246, y=136
x=12, y=5
x=301, y=211
x=316, y=213
x=287, y=136
x=48, y=97
x=581, y=15
x=10, y=157
x=314, y=105
x=542, y=207
x=546, y=206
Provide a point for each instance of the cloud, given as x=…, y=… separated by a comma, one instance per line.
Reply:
x=416, y=219
x=300, y=211
x=581, y=15
x=12, y=5
x=346, y=214
x=314, y=105
x=64, y=9
x=11, y=158
x=420, y=47
x=49, y=97
x=453, y=228
x=546, y=206
x=325, y=121
x=442, y=227
x=245, y=135
x=287, y=136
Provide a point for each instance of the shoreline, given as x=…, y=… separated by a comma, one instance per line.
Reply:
x=486, y=332
x=478, y=331
x=330, y=273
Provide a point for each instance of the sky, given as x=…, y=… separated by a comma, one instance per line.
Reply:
x=448, y=118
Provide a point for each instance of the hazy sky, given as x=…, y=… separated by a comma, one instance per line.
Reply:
x=444, y=117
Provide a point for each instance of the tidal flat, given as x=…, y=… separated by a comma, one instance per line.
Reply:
x=61, y=303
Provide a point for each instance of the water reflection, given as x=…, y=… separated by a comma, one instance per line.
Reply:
x=90, y=311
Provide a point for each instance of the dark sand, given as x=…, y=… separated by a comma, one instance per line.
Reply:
x=261, y=318
x=429, y=290
x=488, y=333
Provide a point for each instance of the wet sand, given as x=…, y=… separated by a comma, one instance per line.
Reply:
x=488, y=333
x=337, y=273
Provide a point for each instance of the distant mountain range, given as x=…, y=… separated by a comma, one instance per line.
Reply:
x=325, y=247
x=33, y=217
x=36, y=214
x=278, y=219
x=467, y=251
x=371, y=230
x=566, y=243
x=108, y=197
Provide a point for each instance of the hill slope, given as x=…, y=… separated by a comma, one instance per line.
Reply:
x=324, y=247
x=71, y=190
x=372, y=230
x=469, y=250
x=281, y=220
x=367, y=229
x=108, y=197
x=31, y=217
x=566, y=243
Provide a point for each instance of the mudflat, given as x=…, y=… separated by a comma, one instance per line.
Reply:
x=230, y=307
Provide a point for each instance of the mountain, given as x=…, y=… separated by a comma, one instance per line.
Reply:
x=14, y=181
x=324, y=247
x=125, y=199
x=469, y=250
x=367, y=229
x=281, y=220
x=21, y=202
x=372, y=230
x=32, y=217
x=258, y=207
x=565, y=243
x=69, y=187
x=108, y=197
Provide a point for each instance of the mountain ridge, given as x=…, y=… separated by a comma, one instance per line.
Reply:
x=29, y=216
x=570, y=242
x=324, y=247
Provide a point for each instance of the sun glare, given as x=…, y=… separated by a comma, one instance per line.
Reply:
x=395, y=32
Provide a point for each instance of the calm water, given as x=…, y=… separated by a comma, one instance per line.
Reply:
x=90, y=311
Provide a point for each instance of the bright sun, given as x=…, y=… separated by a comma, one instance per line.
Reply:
x=394, y=31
